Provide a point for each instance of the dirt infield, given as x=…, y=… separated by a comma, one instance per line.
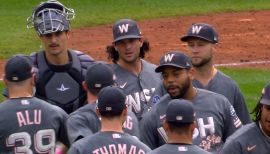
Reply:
x=243, y=36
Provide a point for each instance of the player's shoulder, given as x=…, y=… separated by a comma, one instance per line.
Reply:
x=147, y=65
x=241, y=133
x=85, y=112
x=225, y=78
x=210, y=94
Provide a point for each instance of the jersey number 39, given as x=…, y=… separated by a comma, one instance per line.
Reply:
x=25, y=139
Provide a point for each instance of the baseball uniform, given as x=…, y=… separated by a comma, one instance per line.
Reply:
x=31, y=125
x=84, y=122
x=247, y=140
x=172, y=148
x=138, y=88
x=215, y=119
x=108, y=142
x=223, y=84
x=61, y=84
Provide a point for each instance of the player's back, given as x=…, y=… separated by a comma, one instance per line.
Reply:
x=108, y=142
x=179, y=148
x=31, y=125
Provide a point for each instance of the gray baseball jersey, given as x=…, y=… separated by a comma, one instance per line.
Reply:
x=247, y=140
x=138, y=88
x=108, y=142
x=31, y=125
x=171, y=148
x=221, y=84
x=84, y=122
x=215, y=120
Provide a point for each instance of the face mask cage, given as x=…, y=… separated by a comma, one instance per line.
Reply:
x=50, y=17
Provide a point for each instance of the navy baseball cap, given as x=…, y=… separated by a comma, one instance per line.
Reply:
x=265, y=98
x=124, y=29
x=180, y=111
x=18, y=68
x=175, y=59
x=99, y=75
x=202, y=31
x=111, y=98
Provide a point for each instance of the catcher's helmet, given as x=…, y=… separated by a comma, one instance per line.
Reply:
x=50, y=16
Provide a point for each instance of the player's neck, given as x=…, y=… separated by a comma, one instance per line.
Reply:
x=20, y=93
x=134, y=67
x=60, y=59
x=91, y=98
x=176, y=138
x=191, y=93
x=205, y=73
x=113, y=124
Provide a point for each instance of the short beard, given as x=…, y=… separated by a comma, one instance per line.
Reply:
x=184, y=90
x=203, y=62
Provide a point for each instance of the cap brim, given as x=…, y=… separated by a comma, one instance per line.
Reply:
x=161, y=67
x=126, y=37
x=265, y=101
x=185, y=38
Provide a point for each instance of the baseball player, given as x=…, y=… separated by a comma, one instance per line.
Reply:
x=179, y=126
x=201, y=41
x=85, y=121
x=112, y=108
x=253, y=138
x=60, y=69
x=28, y=124
x=215, y=116
x=135, y=75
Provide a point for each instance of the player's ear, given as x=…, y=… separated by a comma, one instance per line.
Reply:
x=141, y=40
x=5, y=80
x=191, y=73
x=166, y=126
x=97, y=112
x=84, y=85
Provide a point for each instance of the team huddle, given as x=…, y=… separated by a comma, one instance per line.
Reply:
x=60, y=100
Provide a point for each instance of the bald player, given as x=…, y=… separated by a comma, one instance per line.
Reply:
x=215, y=116
x=134, y=74
x=111, y=138
x=85, y=121
x=253, y=138
x=179, y=126
x=28, y=124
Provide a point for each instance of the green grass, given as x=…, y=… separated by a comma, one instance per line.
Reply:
x=250, y=81
x=15, y=38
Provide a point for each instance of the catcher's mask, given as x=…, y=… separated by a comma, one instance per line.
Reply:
x=49, y=17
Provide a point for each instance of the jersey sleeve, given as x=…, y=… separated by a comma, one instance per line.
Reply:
x=148, y=132
x=73, y=150
x=241, y=107
x=231, y=147
x=232, y=122
x=62, y=135
x=78, y=127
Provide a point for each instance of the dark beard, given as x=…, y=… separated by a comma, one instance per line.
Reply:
x=202, y=63
x=183, y=91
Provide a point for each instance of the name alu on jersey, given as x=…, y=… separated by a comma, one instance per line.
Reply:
x=62, y=88
x=136, y=99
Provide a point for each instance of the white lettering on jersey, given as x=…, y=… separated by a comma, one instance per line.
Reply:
x=203, y=127
x=128, y=124
x=119, y=148
x=25, y=118
x=168, y=57
x=123, y=28
x=196, y=29
x=134, y=100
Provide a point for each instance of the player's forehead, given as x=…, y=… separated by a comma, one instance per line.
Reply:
x=127, y=40
x=267, y=108
x=193, y=40
x=171, y=69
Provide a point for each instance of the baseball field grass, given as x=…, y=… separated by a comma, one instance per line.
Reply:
x=16, y=38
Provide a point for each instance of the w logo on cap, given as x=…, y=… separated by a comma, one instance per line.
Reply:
x=168, y=57
x=196, y=29
x=123, y=28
